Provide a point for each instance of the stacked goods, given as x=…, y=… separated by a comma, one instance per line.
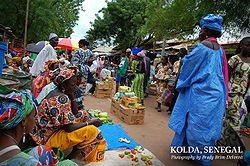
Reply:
x=131, y=102
x=115, y=106
x=104, y=89
x=125, y=106
x=132, y=116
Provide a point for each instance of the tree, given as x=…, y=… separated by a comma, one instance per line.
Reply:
x=120, y=24
x=45, y=16
x=177, y=18
x=133, y=23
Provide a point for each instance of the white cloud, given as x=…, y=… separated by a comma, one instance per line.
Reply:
x=90, y=7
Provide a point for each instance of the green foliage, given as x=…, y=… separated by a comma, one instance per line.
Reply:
x=177, y=18
x=129, y=22
x=120, y=23
x=45, y=16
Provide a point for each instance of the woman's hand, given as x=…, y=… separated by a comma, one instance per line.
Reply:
x=96, y=122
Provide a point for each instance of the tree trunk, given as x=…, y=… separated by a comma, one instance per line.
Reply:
x=163, y=52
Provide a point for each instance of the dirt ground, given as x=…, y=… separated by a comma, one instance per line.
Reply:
x=154, y=134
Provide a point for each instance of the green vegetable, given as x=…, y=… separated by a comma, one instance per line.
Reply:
x=103, y=114
x=102, y=119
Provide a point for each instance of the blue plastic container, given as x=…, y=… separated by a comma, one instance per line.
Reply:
x=3, y=49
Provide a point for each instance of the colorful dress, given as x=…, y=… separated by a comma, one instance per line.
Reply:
x=80, y=59
x=38, y=156
x=163, y=74
x=238, y=87
x=138, y=82
x=39, y=83
x=53, y=114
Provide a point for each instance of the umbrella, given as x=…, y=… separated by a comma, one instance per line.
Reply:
x=36, y=48
x=67, y=44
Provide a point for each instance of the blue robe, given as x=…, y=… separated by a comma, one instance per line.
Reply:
x=198, y=113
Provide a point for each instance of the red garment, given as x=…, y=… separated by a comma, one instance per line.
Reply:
x=39, y=83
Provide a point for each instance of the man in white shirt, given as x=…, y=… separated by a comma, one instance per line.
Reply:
x=47, y=53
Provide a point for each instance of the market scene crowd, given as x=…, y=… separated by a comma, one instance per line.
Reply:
x=46, y=122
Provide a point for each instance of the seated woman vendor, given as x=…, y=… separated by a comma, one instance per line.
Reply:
x=17, y=111
x=59, y=123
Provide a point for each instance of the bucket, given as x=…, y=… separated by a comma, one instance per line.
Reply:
x=3, y=49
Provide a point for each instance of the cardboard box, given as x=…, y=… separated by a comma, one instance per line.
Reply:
x=128, y=115
x=105, y=85
x=115, y=108
x=103, y=93
x=131, y=116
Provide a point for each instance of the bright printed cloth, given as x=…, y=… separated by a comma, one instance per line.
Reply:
x=239, y=78
x=38, y=156
x=163, y=72
x=88, y=140
x=80, y=59
x=14, y=107
x=40, y=82
x=134, y=65
x=238, y=87
x=137, y=85
x=62, y=74
x=54, y=113
x=42, y=79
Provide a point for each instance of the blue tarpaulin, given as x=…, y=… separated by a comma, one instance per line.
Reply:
x=112, y=133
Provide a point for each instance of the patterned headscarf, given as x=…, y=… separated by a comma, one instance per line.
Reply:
x=14, y=107
x=212, y=22
x=49, y=63
x=62, y=74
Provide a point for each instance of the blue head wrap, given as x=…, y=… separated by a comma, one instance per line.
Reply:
x=212, y=22
x=136, y=50
x=14, y=107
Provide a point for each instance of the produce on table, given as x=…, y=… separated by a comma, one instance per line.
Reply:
x=103, y=116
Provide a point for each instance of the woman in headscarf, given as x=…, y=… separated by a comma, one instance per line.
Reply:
x=59, y=123
x=138, y=82
x=161, y=78
x=43, y=78
x=17, y=111
x=239, y=71
x=202, y=84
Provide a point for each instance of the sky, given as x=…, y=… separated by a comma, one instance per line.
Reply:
x=90, y=7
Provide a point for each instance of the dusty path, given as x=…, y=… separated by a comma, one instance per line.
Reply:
x=154, y=134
